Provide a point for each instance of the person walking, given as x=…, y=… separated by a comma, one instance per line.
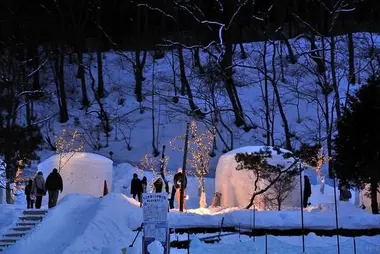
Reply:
x=38, y=189
x=136, y=187
x=306, y=191
x=158, y=184
x=144, y=184
x=29, y=195
x=53, y=185
x=178, y=183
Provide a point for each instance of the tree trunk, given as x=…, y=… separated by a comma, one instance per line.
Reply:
x=288, y=141
x=185, y=83
x=266, y=96
x=60, y=84
x=226, y=65
x=138, y=71
x=82, y=76
x=36, y=66
x=100, y=73
x=374, y=204
x=334, y=79
x=243, y=54
x=351, y=59
x=197, y=61
x=10, y=172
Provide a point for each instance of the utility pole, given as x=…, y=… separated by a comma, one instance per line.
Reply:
x=182, y=192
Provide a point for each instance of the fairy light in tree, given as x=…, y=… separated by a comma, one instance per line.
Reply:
x=67, y=144
x=151, y=163
x=199, y=147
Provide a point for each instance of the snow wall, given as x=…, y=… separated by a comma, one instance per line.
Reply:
x=83, y=173
x=237, y=187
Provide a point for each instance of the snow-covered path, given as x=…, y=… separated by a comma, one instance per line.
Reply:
x=82, y=224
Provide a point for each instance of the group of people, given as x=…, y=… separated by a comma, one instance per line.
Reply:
x=36, y=189
x=138, y=187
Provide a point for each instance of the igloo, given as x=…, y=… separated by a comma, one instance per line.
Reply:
x=237, y=187
x=83, y=173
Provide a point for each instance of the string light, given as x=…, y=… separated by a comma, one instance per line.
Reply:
x=151, y=163
x=67, y=144
x=200, y=146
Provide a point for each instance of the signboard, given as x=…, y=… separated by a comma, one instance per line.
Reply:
x=155, y=216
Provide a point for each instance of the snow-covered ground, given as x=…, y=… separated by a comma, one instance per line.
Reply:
x=86, y=224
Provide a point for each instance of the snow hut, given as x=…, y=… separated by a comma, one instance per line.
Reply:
x=237, y=187
x=82, y=173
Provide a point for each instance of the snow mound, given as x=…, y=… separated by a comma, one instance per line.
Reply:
x=83, y=173
x=237, y=187
x=8, y=216
x=155, y=248
x=84, y=224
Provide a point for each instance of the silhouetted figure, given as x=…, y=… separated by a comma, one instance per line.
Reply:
x=29, y=195
x=144, y=184
x=178, y=183
x=136, y=187
x=158, y=184
x=306, y=191
x=38, y=189
x=54, y=184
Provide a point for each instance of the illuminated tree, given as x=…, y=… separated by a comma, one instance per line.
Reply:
x=67, y=144
x=200, y=147
x=154, y=164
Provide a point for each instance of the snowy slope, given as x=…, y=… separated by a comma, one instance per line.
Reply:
x=132, y=133
x=85, y=224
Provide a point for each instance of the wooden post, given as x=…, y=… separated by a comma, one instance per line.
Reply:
x=182, y=192
x=302, y=223
x=105, y=189
x=336, y=216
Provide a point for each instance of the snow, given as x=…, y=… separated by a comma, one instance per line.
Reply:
x=8, y=216
x=87, y=224
x=83, y=173
x=237, y=186
x=155, y=248
x=2, y=182
x=365, y=199
x=84, y=224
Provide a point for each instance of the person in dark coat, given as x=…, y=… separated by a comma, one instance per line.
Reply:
x=29, y=196
x=178, y=183
x=158, y=184
x=306, y=191
x=136, y=187
x=39, y=189
x=54, y=184
x=144, y=184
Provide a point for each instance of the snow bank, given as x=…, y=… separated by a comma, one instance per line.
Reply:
x=84, y=224
x=84, y=173
x=8, y=216
x=320, y=216
x=237, y=187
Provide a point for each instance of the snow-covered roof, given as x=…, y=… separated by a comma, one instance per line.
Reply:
x=277, y=159
x=94, y=158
